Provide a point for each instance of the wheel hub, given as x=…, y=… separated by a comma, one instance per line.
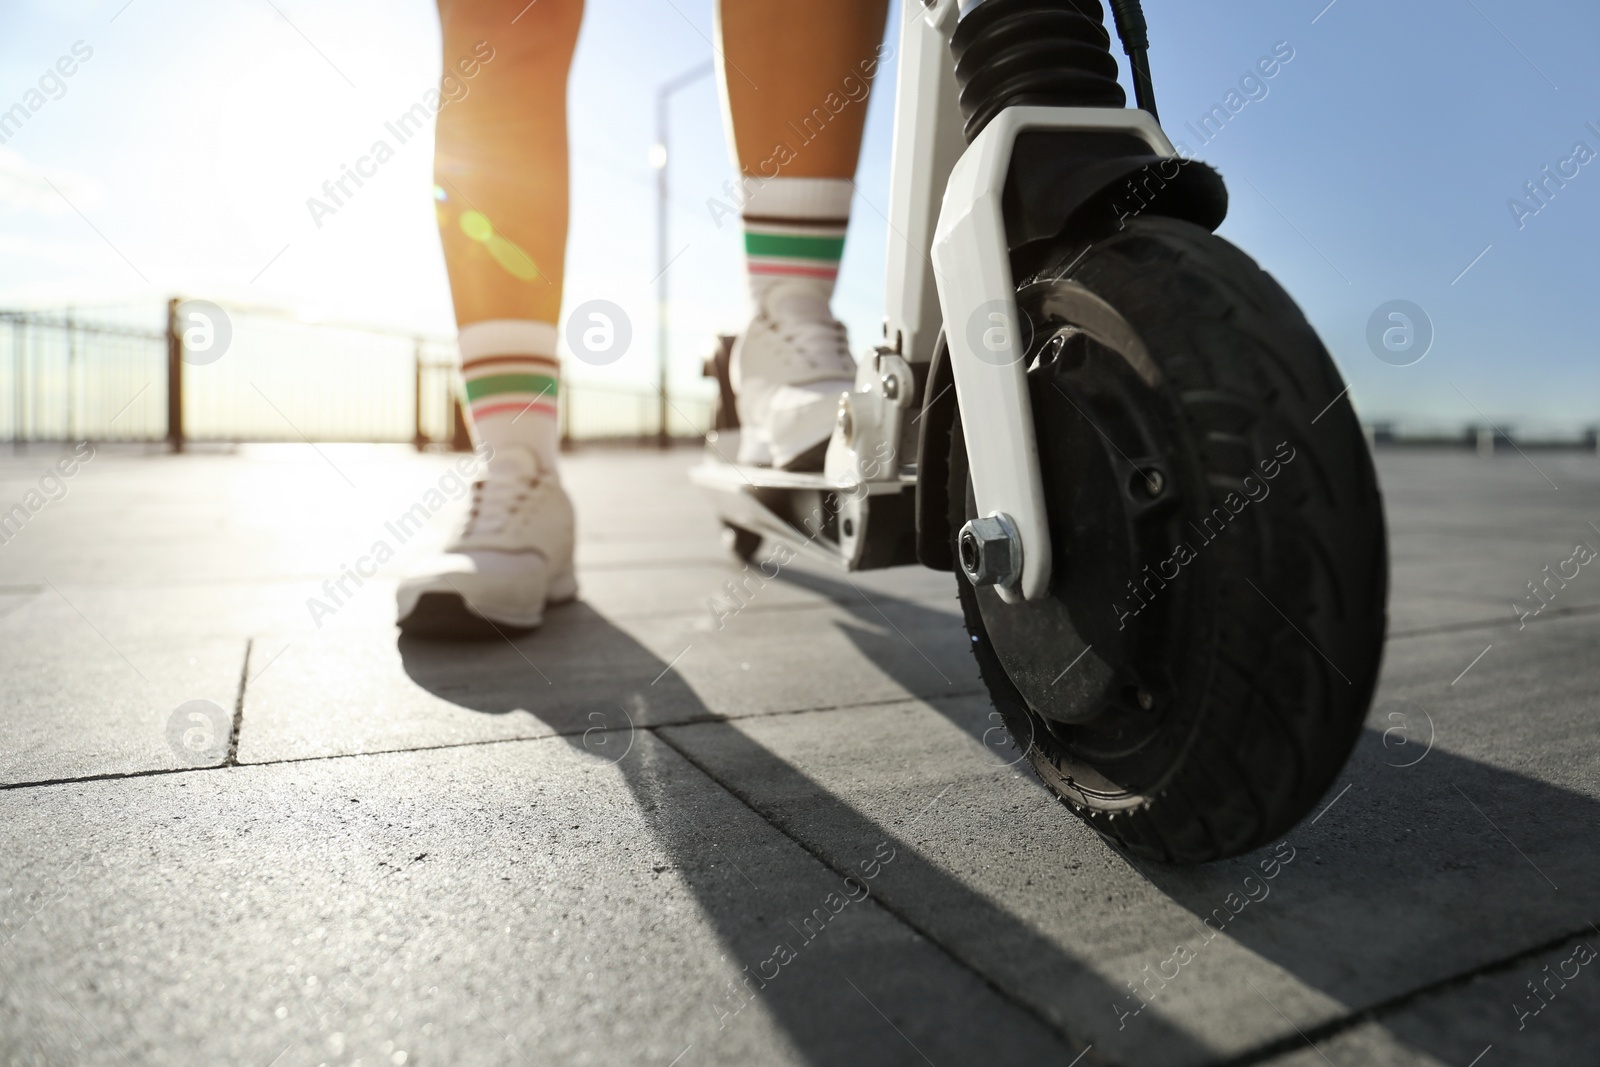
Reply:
x=1080, y=654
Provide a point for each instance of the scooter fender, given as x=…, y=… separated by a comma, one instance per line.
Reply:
x=986, y=340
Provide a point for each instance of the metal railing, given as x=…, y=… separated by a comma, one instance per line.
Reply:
x=124, y=374
x=63, y=377
x=119, y=374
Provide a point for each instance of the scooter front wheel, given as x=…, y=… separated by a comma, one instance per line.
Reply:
x=1201, y=668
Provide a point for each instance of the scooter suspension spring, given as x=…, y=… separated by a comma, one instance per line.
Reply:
x=1052, y=53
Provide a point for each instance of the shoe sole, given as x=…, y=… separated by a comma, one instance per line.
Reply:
x=446, y=617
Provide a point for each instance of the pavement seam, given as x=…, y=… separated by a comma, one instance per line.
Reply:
x=111, y=776
x=152, y=772
x=238, y=706
x=1576, y=611
x=1005, y=995
x=1334, y=1027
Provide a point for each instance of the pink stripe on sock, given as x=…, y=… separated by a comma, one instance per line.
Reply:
x=542, y=407
x=795, y=272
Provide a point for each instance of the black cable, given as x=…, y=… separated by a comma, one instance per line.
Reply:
x=1135, y=34
x=1144, y=89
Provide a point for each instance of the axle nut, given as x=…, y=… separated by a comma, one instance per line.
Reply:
x=990, y=550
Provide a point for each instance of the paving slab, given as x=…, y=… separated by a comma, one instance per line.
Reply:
x=212, y=550
x=1447, y=847
x=354, y=688
x=501, y=904
x=136, y=518
x=844, y=710
x=1467, y=533
x=81, y=697
x=1538, y=1011
x=357, y=689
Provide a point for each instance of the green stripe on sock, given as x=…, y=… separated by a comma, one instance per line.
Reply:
x=496, y=384
x=794, y=246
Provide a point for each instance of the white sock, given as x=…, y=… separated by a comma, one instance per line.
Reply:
x=794, y=235
x=511, y=376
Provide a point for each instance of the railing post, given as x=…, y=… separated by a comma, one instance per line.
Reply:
x=564, y=398
x=419, y=440
x=460, y=429
x=18, y=402
x=72, y=374
x=174, y=378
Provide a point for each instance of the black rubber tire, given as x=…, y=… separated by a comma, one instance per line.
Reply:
x=1267, y=647
x=741, y=542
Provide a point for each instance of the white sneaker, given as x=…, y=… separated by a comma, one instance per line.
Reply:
x=788, y=369
x=512, y=556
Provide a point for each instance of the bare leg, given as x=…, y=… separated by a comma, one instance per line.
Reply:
x=500, y=167
x=795, y=79
x=501, y=156
x=783, y=61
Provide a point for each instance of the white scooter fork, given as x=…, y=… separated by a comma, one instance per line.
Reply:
x=985, y=338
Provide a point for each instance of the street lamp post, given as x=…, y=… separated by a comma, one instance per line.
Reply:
x=658, y=160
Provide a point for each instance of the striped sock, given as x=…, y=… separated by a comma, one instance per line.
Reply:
x=794, y=232
x=510, y=376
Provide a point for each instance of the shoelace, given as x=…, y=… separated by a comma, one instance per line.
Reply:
x=495, y=504
x=823, y=345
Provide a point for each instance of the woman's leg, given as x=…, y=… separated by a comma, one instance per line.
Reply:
x=795, y=80
x=500, y=170
x=500, y=167
x=781, y=63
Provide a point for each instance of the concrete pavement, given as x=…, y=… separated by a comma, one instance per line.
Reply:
x=626, y=838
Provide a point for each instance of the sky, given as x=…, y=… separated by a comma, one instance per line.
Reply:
x=1378, y=164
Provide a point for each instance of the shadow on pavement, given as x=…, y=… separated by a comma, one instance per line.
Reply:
x=822, y=1016
x=1416, y=876
x=1400, y=885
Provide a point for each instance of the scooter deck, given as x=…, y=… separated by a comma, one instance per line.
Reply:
x=723, y=476
x=773, y=503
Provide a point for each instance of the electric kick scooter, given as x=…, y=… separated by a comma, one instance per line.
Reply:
x=1121, y=436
